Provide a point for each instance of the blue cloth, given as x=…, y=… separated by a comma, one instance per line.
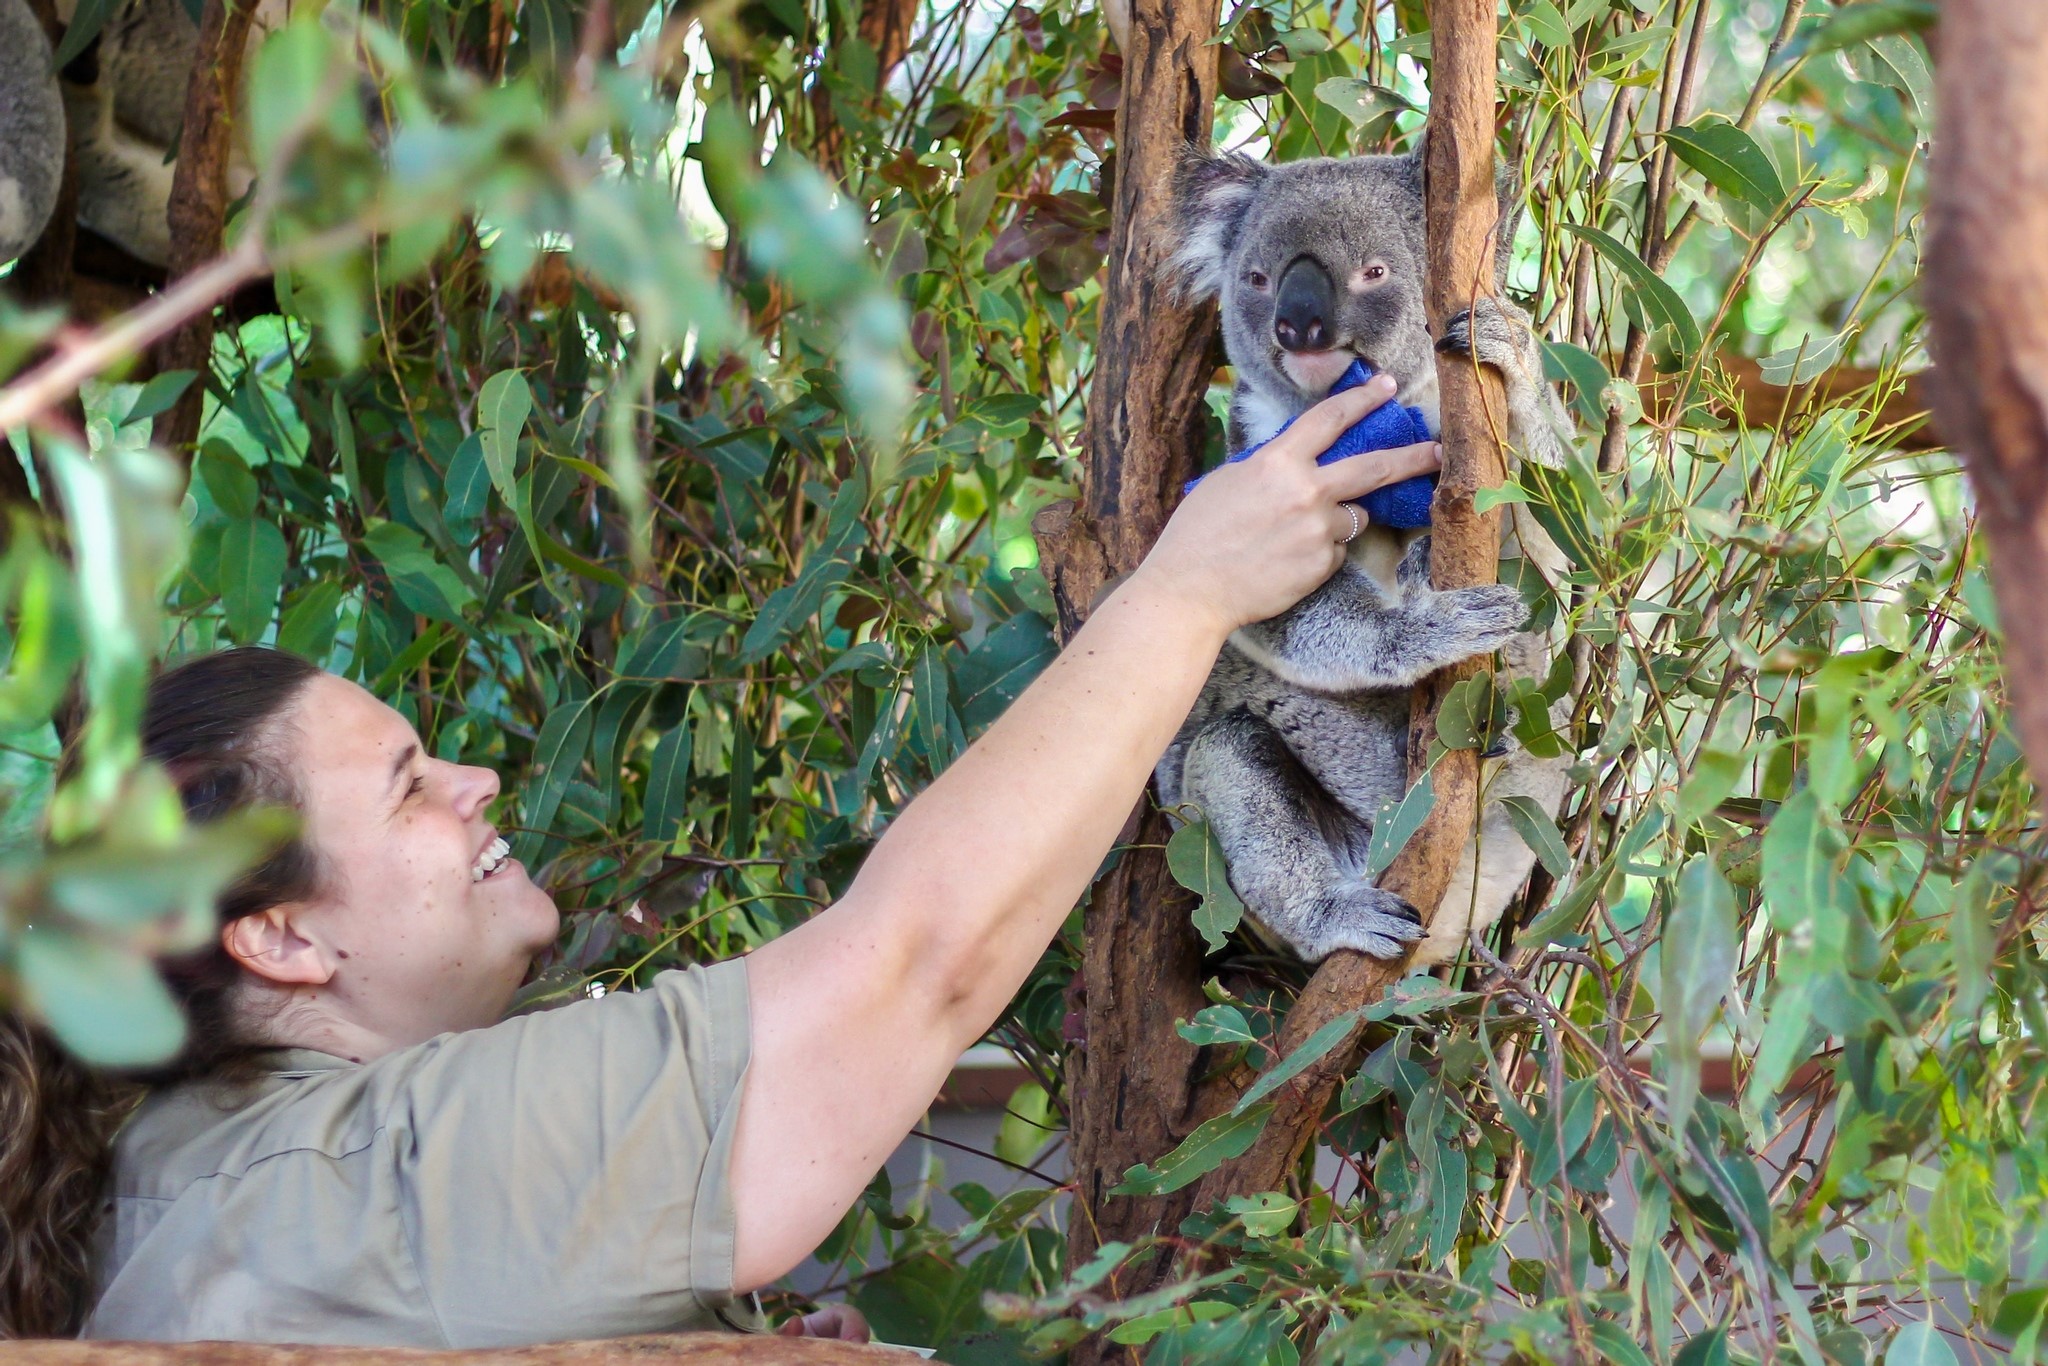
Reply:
x=1390, y=425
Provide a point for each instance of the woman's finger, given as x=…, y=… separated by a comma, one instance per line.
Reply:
x=1357, y=475
x=1315, y=429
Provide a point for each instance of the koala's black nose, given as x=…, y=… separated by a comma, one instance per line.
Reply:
x=1307, y=301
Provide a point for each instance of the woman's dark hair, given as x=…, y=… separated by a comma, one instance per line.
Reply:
x=214, y=723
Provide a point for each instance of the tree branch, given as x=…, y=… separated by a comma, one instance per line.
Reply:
x=199, y=200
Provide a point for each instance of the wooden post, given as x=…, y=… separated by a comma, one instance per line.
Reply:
x=1131, y=1083
x=684, y=1349
x=1462, y=214
x=1987, y=300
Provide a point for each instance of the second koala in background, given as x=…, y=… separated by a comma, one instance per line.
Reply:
x=1300, y=735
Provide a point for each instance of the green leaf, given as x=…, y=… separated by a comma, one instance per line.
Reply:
x=1196, y=861
x=557, y=752
x=311, y=620
x=345, y=448
x=1861, y=22
x=1973, y=942
x=1027, y=1124
x=1201, y=1152
x=227, y=478
x=1539, y=832
x=1264, y=1215
x=1396, y=824
x=1707, y=1349
x=1662, y=306
x=502, y=407
x=1585, y=372
x=1919, y=1344
x=668, y=786
x=1216, y=1024
x=1803, y=363
x=86, y=22
x=252, y=563
x=1143, y=1329
x=1731, y=161
x=1714, y=775
x=105, y=1002
x=163, y=390
x=1310, y=1052
x=1803, y=887
x=1700, y=950
x=998, y=669
x=1616, y=1345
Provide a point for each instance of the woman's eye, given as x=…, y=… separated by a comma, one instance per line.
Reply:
x=419, y=785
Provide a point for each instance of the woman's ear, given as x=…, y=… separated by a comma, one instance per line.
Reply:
x=268, y=943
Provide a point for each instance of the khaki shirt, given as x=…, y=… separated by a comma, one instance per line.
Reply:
x=559, y=1175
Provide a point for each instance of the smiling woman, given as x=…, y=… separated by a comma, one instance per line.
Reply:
x=357, y=1148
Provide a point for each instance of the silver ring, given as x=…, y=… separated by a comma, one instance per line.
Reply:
x=1357, y=524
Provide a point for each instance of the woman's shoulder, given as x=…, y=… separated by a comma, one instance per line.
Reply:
x=300, y=1101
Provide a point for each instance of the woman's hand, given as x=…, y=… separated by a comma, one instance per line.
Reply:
x=840, y=1321
x=1257, y=536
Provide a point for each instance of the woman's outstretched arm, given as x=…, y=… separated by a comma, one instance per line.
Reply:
x=859, y=1014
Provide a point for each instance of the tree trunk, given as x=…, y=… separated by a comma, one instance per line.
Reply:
x=199, y=199
x=693, y=1349
x=1987, y=300
x=1461, y=215
x=1132, y=1081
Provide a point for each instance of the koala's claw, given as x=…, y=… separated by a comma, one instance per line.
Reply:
x=1489, y=332
x=1360, y=916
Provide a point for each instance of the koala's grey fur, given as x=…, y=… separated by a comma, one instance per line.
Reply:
x=124, y=100
x=1300, y=735
x=31, y=130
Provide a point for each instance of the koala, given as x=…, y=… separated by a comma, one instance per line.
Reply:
x=31, y=130
x=124, y=100
x=1300, y=734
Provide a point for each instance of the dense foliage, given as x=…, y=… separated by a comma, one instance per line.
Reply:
x=688, y=485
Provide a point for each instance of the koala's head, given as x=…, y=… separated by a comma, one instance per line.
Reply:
x=1313, y=262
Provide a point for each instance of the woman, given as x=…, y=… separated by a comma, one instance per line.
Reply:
x=355, y=1148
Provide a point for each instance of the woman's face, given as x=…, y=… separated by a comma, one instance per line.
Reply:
x=417, y=942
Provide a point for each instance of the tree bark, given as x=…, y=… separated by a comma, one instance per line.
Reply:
x=1987, y=300
x=695, y=1349
x=199, y=200
x=1133, y=1080
x=1461, y=213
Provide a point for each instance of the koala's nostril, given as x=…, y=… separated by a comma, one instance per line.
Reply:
x=1304, y=307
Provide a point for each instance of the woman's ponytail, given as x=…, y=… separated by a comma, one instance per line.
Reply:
x=57, y=1119
x=214, y=723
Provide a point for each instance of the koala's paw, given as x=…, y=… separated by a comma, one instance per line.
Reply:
x=1480, y=620
x=1357, y=915
x=1495, y=332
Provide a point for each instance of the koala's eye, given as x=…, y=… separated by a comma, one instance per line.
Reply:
x=1375, y=272
x=1256, y=279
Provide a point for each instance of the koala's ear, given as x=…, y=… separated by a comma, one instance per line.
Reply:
x=1211, y=195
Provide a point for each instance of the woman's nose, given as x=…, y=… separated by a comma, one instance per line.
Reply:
x=478, y=788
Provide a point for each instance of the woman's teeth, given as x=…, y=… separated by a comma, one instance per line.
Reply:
x=490, y=860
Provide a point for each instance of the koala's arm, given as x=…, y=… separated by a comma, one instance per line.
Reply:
x=1350, y=635
x=1498, y=334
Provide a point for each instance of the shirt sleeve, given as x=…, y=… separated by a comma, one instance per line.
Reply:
x=567, y=1174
